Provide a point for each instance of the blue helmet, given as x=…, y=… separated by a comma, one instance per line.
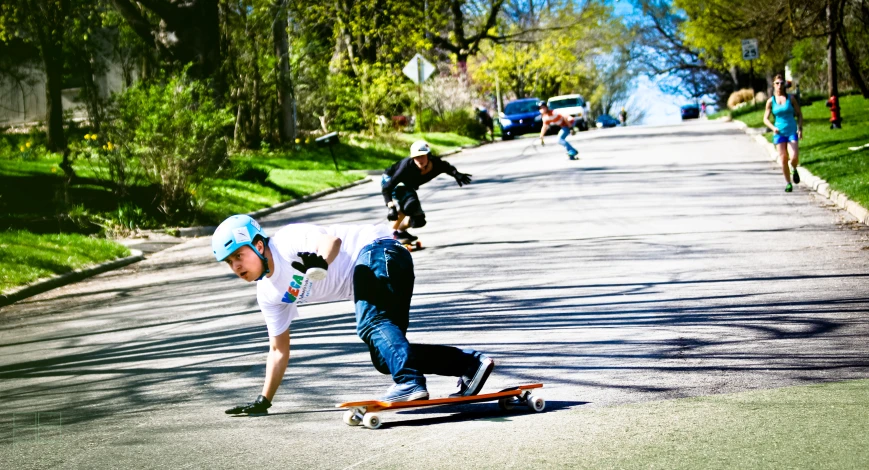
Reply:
x=233, y=233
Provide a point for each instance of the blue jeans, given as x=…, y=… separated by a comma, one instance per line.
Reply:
x=383, y=285
x=562, y=139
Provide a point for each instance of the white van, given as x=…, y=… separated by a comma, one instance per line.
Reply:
x=571, y=105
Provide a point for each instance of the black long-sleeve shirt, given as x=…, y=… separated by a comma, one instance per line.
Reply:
x=405, y=171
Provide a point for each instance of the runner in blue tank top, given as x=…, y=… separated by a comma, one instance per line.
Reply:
x=788, y=129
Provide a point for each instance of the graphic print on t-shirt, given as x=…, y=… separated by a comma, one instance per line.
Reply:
x=292, y=292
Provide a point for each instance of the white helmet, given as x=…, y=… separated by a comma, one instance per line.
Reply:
x=419, y=148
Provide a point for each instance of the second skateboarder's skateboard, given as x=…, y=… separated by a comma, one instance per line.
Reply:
x=365, y=412
x=413, y=246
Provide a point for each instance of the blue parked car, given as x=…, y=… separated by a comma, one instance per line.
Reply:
x=605, y=120
x=520, y=117
x=690, y=111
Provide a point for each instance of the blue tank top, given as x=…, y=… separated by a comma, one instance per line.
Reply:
x=784, y=116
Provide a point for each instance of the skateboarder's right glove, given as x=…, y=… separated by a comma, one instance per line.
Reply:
x=463, y=178
x=309, y=260
x=391, y=213
x=259, y=406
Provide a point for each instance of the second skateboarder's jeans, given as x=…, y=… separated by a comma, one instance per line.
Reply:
x=562, y=139
x=383, y=285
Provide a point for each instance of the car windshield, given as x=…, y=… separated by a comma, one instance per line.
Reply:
x=565, y=103
x=521, y=107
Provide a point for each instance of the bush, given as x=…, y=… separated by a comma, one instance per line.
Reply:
x=746, y=95
x=460, y=121
x=356, y=102
x=174, y=131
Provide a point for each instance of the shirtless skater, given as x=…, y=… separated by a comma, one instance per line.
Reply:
x=554, y=119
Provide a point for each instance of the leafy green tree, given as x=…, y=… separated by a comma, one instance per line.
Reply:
x=663, y=51
x=460, y=27
x=43, y=23
x=558, y=51
x=714, y=27
x=187, y=32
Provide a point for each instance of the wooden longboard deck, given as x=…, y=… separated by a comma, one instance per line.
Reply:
x=375, y=405
x=415, y=246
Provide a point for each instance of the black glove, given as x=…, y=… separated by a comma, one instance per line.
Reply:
x=391, y=213
x=309, y=260
x=260, y=406
x=462, y=178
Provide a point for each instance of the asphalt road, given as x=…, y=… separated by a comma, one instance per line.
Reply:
x=667, y=262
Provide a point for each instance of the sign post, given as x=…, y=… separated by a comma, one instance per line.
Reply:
x=418, y=70
x=750, y=53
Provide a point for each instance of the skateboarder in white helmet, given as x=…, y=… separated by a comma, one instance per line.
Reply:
x=401, y=181
x=362, y=262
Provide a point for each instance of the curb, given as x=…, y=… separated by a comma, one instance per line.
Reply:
x=39, y=287
x=809, y=180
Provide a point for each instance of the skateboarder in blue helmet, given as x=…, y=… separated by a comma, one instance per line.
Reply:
x=362, y=262
x=401, y=181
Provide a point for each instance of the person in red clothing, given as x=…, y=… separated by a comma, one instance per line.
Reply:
x=554, y=119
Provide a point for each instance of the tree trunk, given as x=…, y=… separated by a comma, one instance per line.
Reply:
x=831, y=49
x=56, y=138
x=286, y=123
x=853, y=66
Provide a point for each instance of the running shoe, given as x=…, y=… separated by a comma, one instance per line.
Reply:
x=404, y=237
x=796, y=176
x=789, y=188
x=472, y=382
x=405, y=392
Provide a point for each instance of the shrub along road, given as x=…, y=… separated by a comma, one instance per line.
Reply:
x=664, y=267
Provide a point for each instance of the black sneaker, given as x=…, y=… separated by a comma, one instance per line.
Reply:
x=789, y=188
x=472, y=382
x=404, y=237
x=796, y=176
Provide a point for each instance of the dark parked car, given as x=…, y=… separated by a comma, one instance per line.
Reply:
x=690, y=111
x=520, y=117
x=605, y=120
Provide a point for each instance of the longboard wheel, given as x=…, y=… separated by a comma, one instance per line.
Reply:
x=371, y=420
x=535, y=403
x=351, y=418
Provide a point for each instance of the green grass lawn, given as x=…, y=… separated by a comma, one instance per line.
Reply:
x=816, y=426
x=33, y=204
x=31, y=195
x=26, y=257
x=824, y=151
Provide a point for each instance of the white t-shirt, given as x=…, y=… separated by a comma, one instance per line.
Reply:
x=277, y=294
